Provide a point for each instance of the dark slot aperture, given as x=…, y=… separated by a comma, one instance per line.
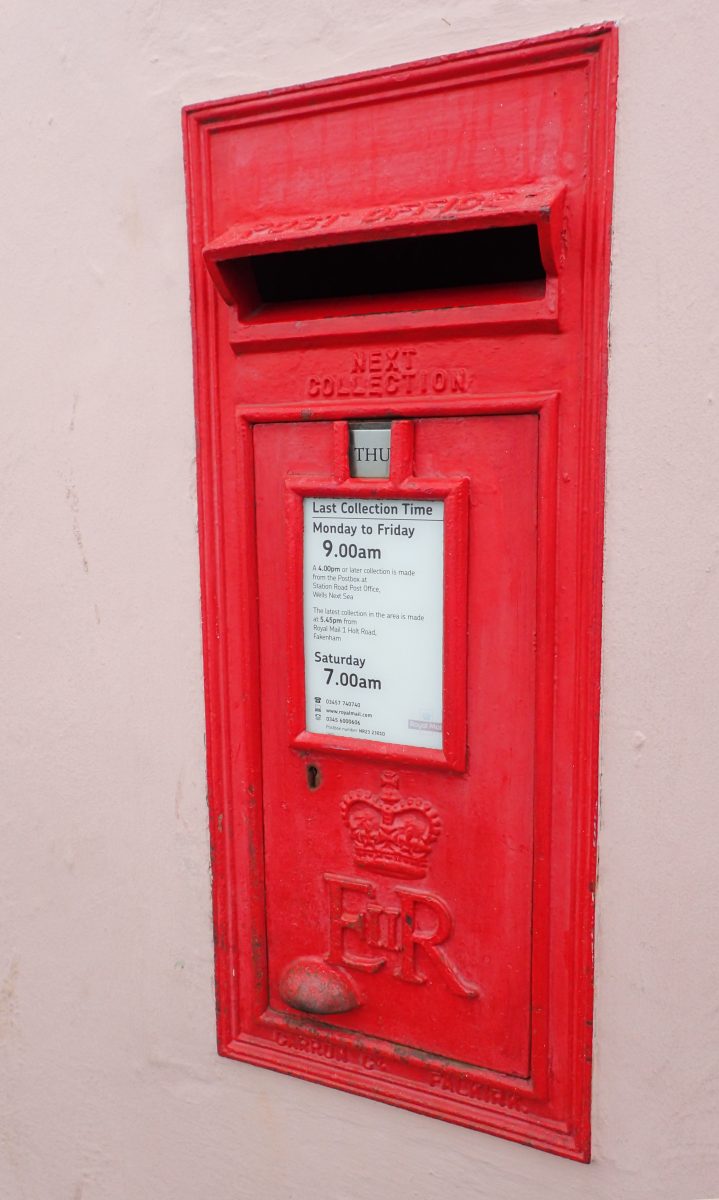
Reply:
x=438, y=262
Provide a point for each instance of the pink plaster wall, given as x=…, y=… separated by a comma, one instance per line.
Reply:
x=111, y=1087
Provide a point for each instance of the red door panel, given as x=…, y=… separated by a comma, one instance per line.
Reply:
x=465, y=996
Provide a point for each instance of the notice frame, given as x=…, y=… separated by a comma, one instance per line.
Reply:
x=401, y=485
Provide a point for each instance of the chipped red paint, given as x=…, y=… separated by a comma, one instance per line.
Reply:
x=414, y=925
x=311, y=985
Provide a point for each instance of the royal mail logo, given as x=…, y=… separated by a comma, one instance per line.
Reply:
x=391, y=834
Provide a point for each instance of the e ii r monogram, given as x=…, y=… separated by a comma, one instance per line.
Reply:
x=353, y=910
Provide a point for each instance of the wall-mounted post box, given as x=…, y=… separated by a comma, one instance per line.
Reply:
x=400, y=307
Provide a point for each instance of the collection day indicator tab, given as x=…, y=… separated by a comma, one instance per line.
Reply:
x=373, y=618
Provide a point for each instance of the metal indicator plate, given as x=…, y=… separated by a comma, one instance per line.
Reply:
x=370, y=451
x=373, y=618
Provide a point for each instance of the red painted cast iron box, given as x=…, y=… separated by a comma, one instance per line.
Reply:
x=399, y=289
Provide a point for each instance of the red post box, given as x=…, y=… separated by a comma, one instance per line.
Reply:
x=399, y=311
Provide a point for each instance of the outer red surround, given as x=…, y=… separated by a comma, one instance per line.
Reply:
x=504, y=412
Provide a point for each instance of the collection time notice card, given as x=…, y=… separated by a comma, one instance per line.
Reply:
x=373, y=618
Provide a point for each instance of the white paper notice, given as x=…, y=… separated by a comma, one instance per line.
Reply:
x=373, y=618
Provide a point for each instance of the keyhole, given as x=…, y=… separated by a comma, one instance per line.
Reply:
x=314, y=779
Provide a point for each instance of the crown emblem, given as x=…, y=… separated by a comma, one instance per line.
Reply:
x=391, y=833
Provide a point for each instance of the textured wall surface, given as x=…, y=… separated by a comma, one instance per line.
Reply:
x=111, y=1088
